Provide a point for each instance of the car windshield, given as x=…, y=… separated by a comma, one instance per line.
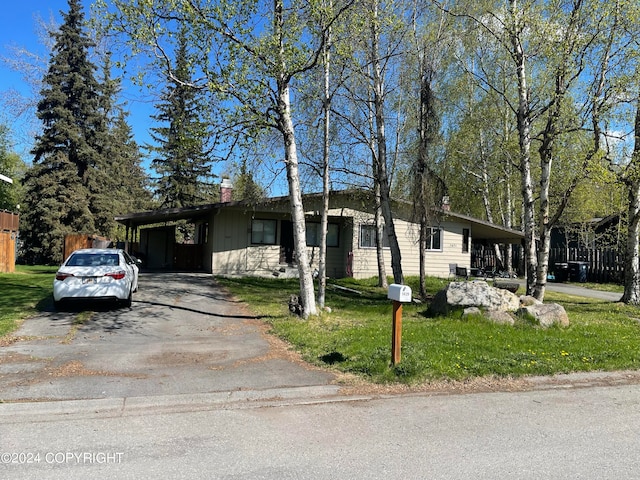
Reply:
x=92, y=259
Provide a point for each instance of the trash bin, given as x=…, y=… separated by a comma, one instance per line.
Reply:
x=578, y=271
x=561, y=272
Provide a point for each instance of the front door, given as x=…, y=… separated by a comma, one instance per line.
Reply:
x=287, y=254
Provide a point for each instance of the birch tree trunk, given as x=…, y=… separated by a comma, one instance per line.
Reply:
x=381, y=143
x=324, y=220
x=523, y=116
x=285, y=125
x=631, y=293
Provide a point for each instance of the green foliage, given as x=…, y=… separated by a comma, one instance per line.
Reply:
x=356, y=336
x=182, y=161
x=12, y=166
x=23, y=294
x=81, y=159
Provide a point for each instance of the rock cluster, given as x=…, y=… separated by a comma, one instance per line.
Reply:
x=496, y=304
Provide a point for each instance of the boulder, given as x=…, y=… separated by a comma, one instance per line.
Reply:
x=500, y=316
x=474, y=294
x=495, y=316
x=471, y=311
x=546, y=314
x=526, y=300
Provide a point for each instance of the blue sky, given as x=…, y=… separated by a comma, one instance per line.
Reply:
x=19, y=27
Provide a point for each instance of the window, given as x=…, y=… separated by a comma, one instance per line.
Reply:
x=313, y=234
x=434, y=239
x=466, y=234
x=263, y=232
x=368, y=237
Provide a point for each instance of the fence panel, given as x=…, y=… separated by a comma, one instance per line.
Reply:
x=7, y=252
x=605, y=265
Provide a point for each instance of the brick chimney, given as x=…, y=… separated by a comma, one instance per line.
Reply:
x=226, y=190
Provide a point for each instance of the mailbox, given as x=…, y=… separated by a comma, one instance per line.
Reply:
x=399, y=293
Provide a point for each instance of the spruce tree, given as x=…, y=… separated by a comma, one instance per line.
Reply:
x=58, y=197
x=118, y=183
x=182, y=163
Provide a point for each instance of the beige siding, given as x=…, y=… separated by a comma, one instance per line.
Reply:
x=365, y=259
x=231, y=251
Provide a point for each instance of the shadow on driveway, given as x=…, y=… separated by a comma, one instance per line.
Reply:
x=183, y=335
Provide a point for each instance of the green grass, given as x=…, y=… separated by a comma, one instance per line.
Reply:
x=23, y=293
x=356, y=336
x=605, y=287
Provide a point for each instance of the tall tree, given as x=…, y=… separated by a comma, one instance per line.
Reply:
x=182, y=160
x=250, y=54
x=57, y=195
x=555, y=50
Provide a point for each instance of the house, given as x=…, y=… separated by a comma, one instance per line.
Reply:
x=256, y=238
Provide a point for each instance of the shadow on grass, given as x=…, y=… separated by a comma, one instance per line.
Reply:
x=333, y=358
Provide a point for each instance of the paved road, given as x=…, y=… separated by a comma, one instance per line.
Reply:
x=558, y=433
x=186, y=385
x=181, y=336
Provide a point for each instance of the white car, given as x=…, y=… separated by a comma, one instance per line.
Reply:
x=96, y=273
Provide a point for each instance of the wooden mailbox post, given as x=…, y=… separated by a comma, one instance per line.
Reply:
x=399, y=294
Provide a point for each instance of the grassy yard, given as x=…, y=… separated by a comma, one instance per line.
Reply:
x=356, y=336
x=23, y=293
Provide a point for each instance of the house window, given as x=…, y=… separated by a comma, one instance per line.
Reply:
x=313, y=234
x=263, y=232
x=368, y=237
x=434, y=238
x=466, y=235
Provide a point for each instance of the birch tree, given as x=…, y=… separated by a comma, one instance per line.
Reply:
x=249, y=54
x=554, y=49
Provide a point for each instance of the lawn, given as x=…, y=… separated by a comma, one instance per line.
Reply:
x=23, y=293
x=355, y=337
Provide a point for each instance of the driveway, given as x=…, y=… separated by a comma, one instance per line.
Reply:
x=183, y=335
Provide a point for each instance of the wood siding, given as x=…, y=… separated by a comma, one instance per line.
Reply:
x=365, y=259
x=232, y=253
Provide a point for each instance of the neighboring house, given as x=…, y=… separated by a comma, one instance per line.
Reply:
x=596, y=233
x=243, y=238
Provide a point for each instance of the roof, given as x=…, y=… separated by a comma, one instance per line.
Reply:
x=481, y=229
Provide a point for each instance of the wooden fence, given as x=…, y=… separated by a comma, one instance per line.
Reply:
x=604, y=265
x=9, y=223
x=77, y=241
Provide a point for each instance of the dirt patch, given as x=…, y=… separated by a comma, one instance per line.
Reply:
x=185, y=358
x=77, y=369
x=11, y=339
x=18, y=358
x=278, y=349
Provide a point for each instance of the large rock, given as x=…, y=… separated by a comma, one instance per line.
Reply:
x=546, y=314
x=495, y=316
x=474, y=294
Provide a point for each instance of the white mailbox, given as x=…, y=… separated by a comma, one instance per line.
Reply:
x=399, y=293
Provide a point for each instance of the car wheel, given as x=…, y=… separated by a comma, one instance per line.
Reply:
x=129, y=300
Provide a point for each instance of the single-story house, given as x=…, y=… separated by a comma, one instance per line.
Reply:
x=256, y=238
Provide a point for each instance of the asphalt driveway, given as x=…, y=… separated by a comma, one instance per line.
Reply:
x=183, y=335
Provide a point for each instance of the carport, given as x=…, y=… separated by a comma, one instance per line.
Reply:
x=151, y=236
